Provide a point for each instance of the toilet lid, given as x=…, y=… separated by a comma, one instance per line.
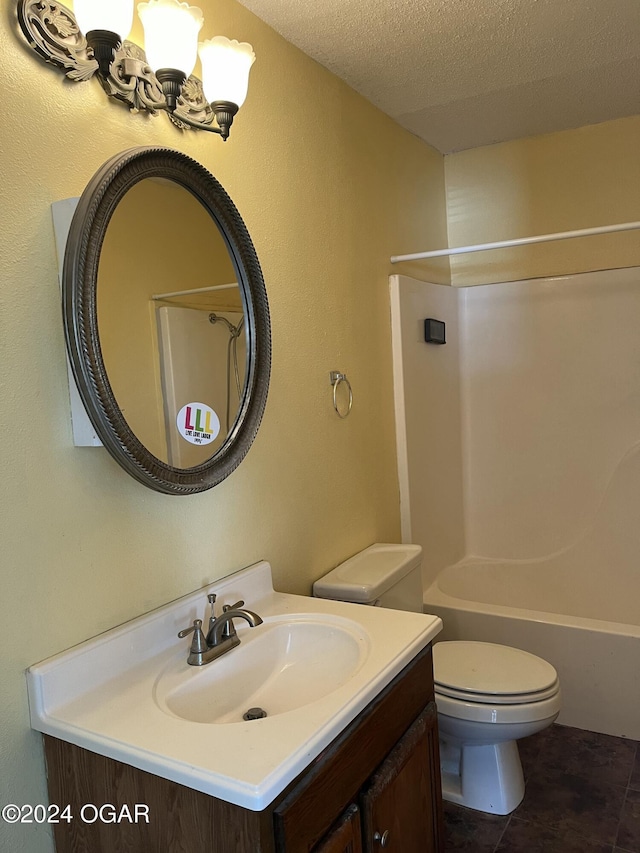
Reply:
x=487, y=672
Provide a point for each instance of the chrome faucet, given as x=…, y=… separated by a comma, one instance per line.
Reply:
x=221, y=635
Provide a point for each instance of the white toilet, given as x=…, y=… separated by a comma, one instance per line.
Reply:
x=488, y=695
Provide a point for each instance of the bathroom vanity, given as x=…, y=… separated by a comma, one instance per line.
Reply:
x=381, y=775
x=353, y=768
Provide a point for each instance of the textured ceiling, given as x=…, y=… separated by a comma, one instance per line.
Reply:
x=464, y=73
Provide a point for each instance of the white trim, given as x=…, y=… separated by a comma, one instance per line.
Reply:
x=520, y=241
x=400, y=410
x=157, y=296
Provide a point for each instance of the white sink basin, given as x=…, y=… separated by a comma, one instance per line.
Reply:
x=313, y=665
x=278, y=667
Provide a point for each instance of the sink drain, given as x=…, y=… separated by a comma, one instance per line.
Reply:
x=254, y=714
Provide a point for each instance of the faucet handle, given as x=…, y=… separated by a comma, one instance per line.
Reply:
x=199, y=643
x=229, y=629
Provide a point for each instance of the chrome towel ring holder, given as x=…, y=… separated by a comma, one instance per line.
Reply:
x=336, y=378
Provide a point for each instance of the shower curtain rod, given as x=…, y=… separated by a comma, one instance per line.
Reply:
x=520, y=241
x=195, y=290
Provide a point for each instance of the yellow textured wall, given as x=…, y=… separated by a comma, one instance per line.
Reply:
x=329, y=188
x=557, y=182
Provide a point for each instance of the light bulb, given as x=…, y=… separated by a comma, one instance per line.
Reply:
x=225, y=69
x=171, y=34
x=115, y=16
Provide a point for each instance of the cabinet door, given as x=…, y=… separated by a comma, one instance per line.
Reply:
x=345, y=836
x=402, y=805
x=333, y=781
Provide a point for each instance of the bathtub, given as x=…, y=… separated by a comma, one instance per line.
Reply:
x=538, y=606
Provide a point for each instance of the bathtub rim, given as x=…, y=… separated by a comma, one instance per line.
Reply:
x=434, y=595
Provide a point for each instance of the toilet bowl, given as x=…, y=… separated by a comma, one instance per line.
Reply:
x=488, y=695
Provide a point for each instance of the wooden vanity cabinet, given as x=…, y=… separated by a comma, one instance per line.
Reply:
x=401, y=807
x=381, y=774
x=345, y=836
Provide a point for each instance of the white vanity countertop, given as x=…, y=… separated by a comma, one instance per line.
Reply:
x=103, y=694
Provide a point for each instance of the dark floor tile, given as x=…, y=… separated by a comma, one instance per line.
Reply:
x=469, y=831
x=579, y=752
x=587, y=805
x=525, y=837
x=634, y=782
x=629, y=832
x=530, y=749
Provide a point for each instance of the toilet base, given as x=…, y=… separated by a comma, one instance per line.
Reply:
x=486, y=777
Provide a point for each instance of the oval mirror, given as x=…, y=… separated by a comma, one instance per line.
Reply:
x=166, y=320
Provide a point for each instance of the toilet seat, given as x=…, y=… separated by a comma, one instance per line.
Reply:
x=474, y=672
x=485, y=712
x=499, y=699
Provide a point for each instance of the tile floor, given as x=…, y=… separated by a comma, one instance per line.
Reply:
x=582, y=796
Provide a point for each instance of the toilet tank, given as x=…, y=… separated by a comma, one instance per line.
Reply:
x=382, y=575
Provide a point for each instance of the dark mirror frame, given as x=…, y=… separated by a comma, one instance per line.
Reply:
x=79, y=298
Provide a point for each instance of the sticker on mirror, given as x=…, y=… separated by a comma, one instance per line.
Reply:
x=197, y=423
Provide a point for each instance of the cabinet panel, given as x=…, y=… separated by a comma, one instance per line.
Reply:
x=401, y=807
x=345, y=836
x=180, y=820
x=335, y=778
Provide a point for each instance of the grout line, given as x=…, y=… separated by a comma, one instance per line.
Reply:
x=626, y=794
x=504, y=829
x=624, y=802
x=636, y=758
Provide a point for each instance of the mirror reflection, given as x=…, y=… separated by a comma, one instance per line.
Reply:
x=171, y=323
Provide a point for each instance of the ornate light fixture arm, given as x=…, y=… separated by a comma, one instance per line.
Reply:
x=224, y=111
x=131, y=80
x=53, y=33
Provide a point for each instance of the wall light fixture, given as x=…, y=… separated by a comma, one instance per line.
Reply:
x=93, y=41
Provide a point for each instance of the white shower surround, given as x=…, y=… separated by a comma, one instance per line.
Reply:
x=586, y=624
x=561, y=575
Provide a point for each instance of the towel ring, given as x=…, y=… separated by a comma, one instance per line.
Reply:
x=336, y=378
